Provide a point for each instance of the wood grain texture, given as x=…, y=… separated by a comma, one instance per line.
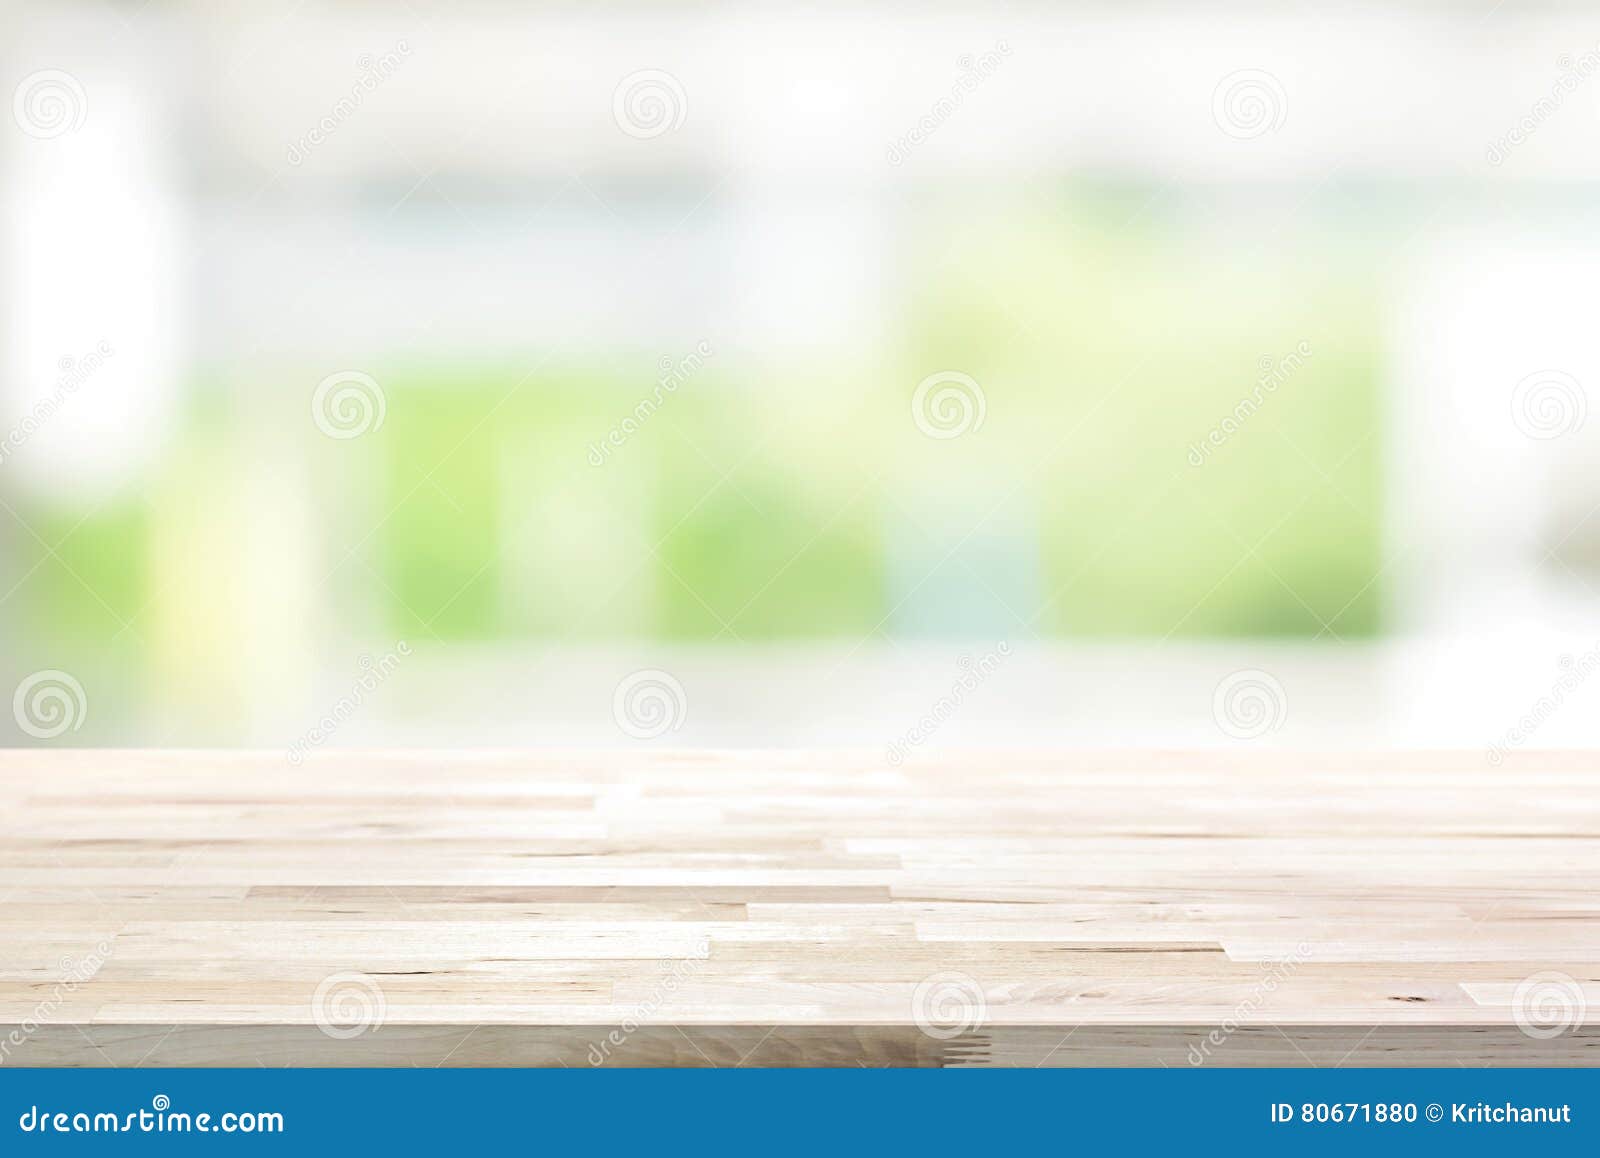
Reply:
x=483, y=908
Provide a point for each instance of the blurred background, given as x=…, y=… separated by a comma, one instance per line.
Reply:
x=483, y=374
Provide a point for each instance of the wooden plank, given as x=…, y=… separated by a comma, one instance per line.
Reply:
x=789, y=908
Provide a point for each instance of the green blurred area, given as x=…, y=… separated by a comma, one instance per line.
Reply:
x=1119, y=350
x=92, y=572
x=787, y=500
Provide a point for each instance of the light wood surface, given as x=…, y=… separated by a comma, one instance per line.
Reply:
x=483, y=908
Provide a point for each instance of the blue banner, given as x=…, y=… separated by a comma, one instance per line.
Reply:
x=710, y=1112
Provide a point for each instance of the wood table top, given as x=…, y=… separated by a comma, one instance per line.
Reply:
x=771, y=908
